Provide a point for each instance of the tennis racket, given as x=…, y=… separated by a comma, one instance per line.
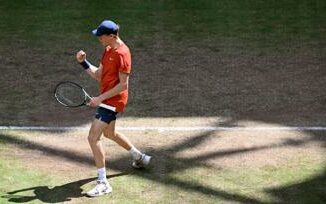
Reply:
x=71, y=94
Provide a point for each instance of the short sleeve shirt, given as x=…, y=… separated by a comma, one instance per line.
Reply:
x=115, y=61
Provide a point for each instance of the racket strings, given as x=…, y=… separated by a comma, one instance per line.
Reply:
x=70, y=95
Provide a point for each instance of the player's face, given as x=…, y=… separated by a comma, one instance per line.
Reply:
x=106, y=40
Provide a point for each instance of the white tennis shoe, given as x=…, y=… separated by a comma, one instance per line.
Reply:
x=101, y=188
x=142, y=162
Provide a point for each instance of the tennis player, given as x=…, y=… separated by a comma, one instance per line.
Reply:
x=113, y=76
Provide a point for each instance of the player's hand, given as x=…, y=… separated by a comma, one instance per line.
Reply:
x=81, y=56
x=94, y=102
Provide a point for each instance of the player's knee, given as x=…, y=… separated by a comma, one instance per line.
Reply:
x=92, y=139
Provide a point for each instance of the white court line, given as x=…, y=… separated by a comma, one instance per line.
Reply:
x=175, y=129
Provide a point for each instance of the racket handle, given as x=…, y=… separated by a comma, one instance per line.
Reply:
x=112, y=108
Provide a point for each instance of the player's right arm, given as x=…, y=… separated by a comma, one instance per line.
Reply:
x=93, y=71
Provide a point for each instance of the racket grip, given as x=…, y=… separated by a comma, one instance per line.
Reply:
x=112, y=108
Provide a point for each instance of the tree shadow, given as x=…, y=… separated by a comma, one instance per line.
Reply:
x=216, y=76
x=164, y=164
x=312, y=190
x=56, y=194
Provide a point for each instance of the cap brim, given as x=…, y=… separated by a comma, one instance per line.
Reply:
x=95, y=32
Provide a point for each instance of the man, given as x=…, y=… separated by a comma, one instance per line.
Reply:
x=113, y=76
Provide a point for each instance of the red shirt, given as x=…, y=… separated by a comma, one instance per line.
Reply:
x=115, y=61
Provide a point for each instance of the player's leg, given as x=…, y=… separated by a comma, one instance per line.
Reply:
x=94, y=140
x=102, y=186
x=113, y=135
x=139, y=159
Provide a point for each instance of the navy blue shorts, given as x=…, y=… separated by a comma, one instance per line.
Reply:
x=105, y=115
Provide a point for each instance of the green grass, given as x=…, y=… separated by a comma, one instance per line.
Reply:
x=255, y=24
x=15, y=177
x=301, y=181
x=256, y=184
x=39, y=39
x=193, y=186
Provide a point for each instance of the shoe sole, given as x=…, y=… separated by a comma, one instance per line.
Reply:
x=100, y=194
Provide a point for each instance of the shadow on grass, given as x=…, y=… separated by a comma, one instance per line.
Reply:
x=312, y=190
x=56, y=194
x=165, y=163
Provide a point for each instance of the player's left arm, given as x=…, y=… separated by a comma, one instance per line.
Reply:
x=121, y=86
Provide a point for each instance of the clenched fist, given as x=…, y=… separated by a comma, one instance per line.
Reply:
x=81, y=56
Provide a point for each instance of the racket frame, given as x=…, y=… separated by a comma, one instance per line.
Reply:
x=112, y=108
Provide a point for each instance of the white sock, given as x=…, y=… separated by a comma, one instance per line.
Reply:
x=101, y=173
x=135, y=153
